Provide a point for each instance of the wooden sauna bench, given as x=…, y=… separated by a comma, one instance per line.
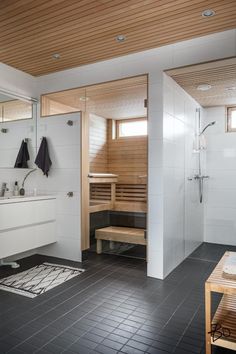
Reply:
x=102, y=179
x=119, y=234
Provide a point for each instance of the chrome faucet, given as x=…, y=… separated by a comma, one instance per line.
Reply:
x=4, y=189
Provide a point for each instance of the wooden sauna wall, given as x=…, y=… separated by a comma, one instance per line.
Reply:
x=127, y=157
x=98, y=145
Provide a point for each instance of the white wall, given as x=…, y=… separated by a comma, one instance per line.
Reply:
x=64, y=147
x=64, y=176
x=153, y=62
x=220, y=201
x=183, y=213
x=15, y=80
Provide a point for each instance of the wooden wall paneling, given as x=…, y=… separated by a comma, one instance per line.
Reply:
x=127, y=157
x=98, y=148
x=50, y=107
x=220, y=74
x=85, y=223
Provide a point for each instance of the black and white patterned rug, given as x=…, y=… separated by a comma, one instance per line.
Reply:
x=37, y=280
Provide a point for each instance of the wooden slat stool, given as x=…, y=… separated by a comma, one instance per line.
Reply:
x=119, y=234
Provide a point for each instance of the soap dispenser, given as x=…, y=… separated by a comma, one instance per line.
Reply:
x=16, y=190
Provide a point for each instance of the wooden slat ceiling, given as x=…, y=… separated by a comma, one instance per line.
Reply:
x=221, y=75
x=113, y=100
x=84, y=31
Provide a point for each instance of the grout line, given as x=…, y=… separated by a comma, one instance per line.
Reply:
x=56, y=295
x=106, y=276
x=96, y=293
x=203, y=259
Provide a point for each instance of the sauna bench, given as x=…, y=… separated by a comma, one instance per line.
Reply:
x=119, y=234
x=100, y=205
x=102, y=178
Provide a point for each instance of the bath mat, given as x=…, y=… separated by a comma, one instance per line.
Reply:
x=38, y=280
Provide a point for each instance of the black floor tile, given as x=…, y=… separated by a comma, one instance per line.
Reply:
x=112, y=308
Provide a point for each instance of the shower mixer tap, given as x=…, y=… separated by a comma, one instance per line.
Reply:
x=197, y=177
x=200, y=180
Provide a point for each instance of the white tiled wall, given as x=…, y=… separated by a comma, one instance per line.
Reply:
x=220, y=201
x=64, y=146
x=17, y=81
x=10, y=143
x=64, y=176
x=183, y=214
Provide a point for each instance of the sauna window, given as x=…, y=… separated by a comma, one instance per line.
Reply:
x=131, y=127
x=231, y=119
x=15, y=110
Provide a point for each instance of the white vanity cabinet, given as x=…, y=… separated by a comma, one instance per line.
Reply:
x=26, y=223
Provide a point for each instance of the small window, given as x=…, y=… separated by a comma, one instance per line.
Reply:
x=15, y=110
x=231, y=119
x=131, y=127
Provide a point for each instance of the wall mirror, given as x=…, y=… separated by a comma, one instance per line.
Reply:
x=17, y=125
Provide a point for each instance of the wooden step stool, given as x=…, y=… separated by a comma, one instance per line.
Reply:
x=119, y=234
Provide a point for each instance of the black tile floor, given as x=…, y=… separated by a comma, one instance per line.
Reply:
x=112, y=308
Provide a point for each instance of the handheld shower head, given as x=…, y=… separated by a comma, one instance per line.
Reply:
x=207, y=126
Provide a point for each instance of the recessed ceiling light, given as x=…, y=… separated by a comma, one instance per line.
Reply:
x=120, y=38
x=208, y=13
x=231, y=88
x=204, y=87
x=56, y=56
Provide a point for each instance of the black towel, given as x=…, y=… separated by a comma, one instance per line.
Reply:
x=43, y=160
x=23, y=156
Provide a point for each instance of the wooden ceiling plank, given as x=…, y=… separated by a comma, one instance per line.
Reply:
x=29, y=8
x=145, y=13
x=28, y=44
x=93, y=45
x=74, y=61
x=219, y=74
x=79, y=20
x=97, y=20
x=80, y=8
x=165, y=28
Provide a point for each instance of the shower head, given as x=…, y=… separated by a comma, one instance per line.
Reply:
x=207, y=126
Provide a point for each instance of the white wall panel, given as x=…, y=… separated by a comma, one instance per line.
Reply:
x=220, y=201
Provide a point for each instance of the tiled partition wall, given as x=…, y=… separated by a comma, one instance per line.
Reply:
x=183, y=213
x=220, y=200
x=64, y=177
x=10, y=143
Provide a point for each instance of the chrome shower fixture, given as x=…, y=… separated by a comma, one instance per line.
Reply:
x=208, y=125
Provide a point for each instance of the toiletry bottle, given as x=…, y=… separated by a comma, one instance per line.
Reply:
x=16, y=191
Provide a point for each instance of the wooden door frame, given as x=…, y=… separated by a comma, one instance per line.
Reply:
x=84, y=166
